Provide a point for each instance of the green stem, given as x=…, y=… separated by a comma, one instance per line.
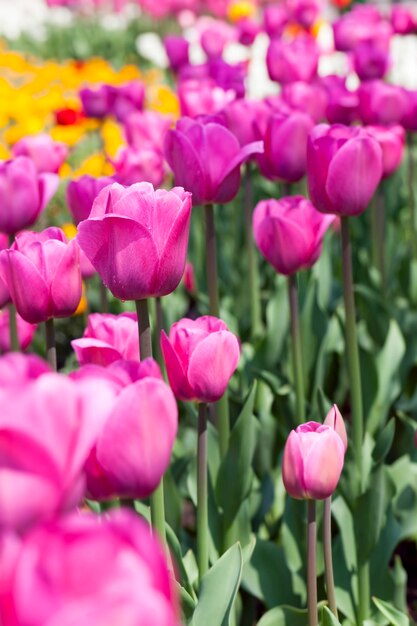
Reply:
x=50, y=344
x=353, y=363
x=297, y=356
x=378, y=237
x=145, y=347
x=328, y=560
x=253, y=273
x=159, y=328
x=202, y=494
x=311, y=563
x=411, y=167
x=211, y=261
x=104, y=299
x=14, y=338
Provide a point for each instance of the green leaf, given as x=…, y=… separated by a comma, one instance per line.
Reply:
x=235, y=475
x=284, y=616
x=384, y=442
x=328, y=619
x=395, y=617
x=187, y=602
x=218, y=590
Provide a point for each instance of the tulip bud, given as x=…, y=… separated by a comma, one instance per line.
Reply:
x=334, y=419
x=313, y=461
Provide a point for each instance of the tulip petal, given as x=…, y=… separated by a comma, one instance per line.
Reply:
x=176, y=375
x=174, y=253
x=95, y=352
x=354, y=174
x=323, y=464
x=184, y=160
x=284, y=244
x=48, y=185
x=66, y=286
x=292, y=467
x=212, y=364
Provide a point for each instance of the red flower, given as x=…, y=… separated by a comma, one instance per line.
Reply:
x=68, y=117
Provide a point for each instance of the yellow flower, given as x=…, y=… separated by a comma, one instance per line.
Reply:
x=239, y=9
x=94, y=165
x=161, y=98
x=65, y=171
x=70, y=135
x=112, y=137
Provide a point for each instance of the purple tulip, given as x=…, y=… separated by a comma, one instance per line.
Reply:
x=276, y=17
x=310, y=98
x=48, y=155
x=392, y=142
x=381, y=104
x=342, y=104
x=42, y=273
x=409, y=116
x=177, y=48
x=108, y=338
x=126, y=99
x=359, y=24
x=137, y=239
x=96, y=102
x=344, y=168
x=285, y=147
x=247, y=31
x=190, y=345
x=242, y=116
x=206, y=158
x=370, y=60
x=309, y=449
x=304, y=12
x=23, y=193
x=290, y=61
x=81, y=194
x=289, y=232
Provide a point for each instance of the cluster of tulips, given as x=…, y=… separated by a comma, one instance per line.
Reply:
x=74, y=445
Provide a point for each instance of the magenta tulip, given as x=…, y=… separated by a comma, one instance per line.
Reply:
x=360, y=24
x=381, y=104
x=304, y=12
x=42, y=273
x=202, y=97
x=147, y=129
x=48, y=155
x=25, y=331
x=84, y=569
x=275, y=18
x=47, y=431
x=285, y=147
x=290, y=61
x=342, y=104
x=136, y=166
x=81, y=194
x=370, y=60
x=310, y=98
x=409, y=117
x=126, y=99
x=392, y=142
x=4, y=292
x=96, y=102
x=23, y=193
x=137, y=239
x=206, y=158
x=242, y=118
x=120, y=373
x=108, y=338
x=334, y=419
x=215, y=35
x=403, y=19
x=313, y=461
x=289, y=232
x=344, y=168
x=176, y=48
x=17, y=370
x=134, y=448
x=191, y=345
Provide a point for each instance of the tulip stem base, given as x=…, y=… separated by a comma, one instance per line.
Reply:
x=50, y=344
x=211, y=261
x=253, y=269
x=311, y=563
x=378, y=237
x=145, y=347
x=328, y=559
x=202, y=493
x=297, y=356
x=14, y=338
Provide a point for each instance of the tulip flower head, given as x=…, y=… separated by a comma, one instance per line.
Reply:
x=289, y=232
x=295, y=60
x=200, y=357
x=136, y=238
x=42, y=273
x=81, y=194
x=313, y=461
x=335, y=420
x=392, y=142
x=48, y=155
x=344, y=168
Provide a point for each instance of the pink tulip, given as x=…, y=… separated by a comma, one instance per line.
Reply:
x=214, y=36
x=147, y=129
x=134, y=447
x=42, y=273
x=310, y=98
x=126, y=99
x=25, y=331
x=191, y=345
x=47, y=431
x=409, y=116
x=136, y=166
x=334, y=419
x=304, y=12
x=371, y=60
x=403, y=19
x=137, y=239
x=241, y=117
x=247, y=31
x=4, y=292
x=48, y=155
x=381, y=104
x=344, y=168
x=81, y=194
x=120, y=373
x=17, y=370
x=108, y=338
x=83, y=569
x=205, y=78
x=285, y=146
x=203, y=97
x=189, y=278
x=290, y=61
x=206, y=158
x=313, y=461
x=23, y=193
x=392, y=142
x=289, y=232
x=276, y=17
x=360, y=24
x=177, y=48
